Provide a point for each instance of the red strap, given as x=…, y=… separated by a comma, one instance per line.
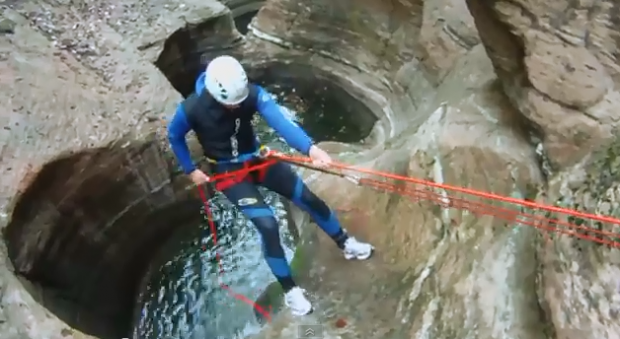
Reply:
x=258, y=176
x=261, y=173
x=225, y=183
x=233, y=180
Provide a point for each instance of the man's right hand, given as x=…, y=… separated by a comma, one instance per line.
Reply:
x=199, y=177
x=319, y=157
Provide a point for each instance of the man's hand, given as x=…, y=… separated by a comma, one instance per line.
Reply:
x=319, y=157
x=199, y=177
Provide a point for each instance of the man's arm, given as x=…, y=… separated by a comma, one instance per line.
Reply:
x=294, y=135
x=177, y=130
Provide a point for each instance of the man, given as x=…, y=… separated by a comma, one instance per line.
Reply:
x=220, y=113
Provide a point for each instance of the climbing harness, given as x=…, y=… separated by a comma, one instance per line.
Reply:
x=424, y=190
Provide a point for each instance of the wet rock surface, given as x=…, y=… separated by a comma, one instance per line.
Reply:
x=515, y=99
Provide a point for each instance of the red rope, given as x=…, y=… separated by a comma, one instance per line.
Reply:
x=446, y=201
x=480, y=194
x=262, y=311
x=529, y=219
x=479, y=208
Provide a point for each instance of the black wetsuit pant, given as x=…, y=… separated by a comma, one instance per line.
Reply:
x=242, y=191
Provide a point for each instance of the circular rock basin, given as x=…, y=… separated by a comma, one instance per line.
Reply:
x=99, y=230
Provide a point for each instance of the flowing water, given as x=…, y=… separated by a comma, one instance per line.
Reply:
x=182, y=298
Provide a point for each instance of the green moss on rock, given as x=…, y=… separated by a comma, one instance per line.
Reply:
x=272, y=298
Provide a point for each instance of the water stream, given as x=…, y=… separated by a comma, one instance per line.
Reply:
x=182, y=298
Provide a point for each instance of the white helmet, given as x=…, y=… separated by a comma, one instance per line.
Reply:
x=226, y=80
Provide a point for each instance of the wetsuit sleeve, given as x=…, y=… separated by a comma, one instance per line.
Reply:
x=177, y=130
x=294, y=135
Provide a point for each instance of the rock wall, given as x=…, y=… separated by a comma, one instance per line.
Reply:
x=558, y=64
x=396, y=51
x=87, y=188
x=514, y=98
x=578, y=283
x=532, y=106
x=472, y=274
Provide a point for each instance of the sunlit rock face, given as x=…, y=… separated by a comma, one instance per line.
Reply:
x=512, y=99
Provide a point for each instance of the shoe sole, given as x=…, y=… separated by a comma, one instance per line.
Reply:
x=302, y=314
x=351, y=257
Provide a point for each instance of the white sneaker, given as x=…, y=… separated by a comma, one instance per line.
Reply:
x=354, y=249
x=297, y=302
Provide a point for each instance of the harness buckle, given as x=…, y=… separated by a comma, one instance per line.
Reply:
x=264, y=152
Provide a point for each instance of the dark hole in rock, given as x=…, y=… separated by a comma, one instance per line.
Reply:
x=84, y=231
x=181, y=296
x=322, y=106
x=187, y=50
x=242, y=21
x=181, y=53
x=243, y=11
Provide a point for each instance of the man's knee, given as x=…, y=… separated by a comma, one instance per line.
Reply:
x=307, y=198
x=268, y=228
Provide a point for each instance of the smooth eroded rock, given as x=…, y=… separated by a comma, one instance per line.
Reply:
x=87, y=186
x=578, y=278
x=567, y=74
x=558, y=52
x=473, y=274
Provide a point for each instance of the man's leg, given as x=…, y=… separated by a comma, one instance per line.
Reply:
x=281, y=179
x=247, y=198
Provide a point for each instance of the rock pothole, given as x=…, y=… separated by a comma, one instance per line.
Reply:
x=86, y=227
x=187, y=50
x=322, y=105
x=243, y=11
x=243, y=21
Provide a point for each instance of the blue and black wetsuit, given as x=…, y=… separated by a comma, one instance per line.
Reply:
x=228, y=138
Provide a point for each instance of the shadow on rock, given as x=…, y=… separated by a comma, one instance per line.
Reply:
x=85, y=227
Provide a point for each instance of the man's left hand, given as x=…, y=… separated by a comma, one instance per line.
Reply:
x=319, y=157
